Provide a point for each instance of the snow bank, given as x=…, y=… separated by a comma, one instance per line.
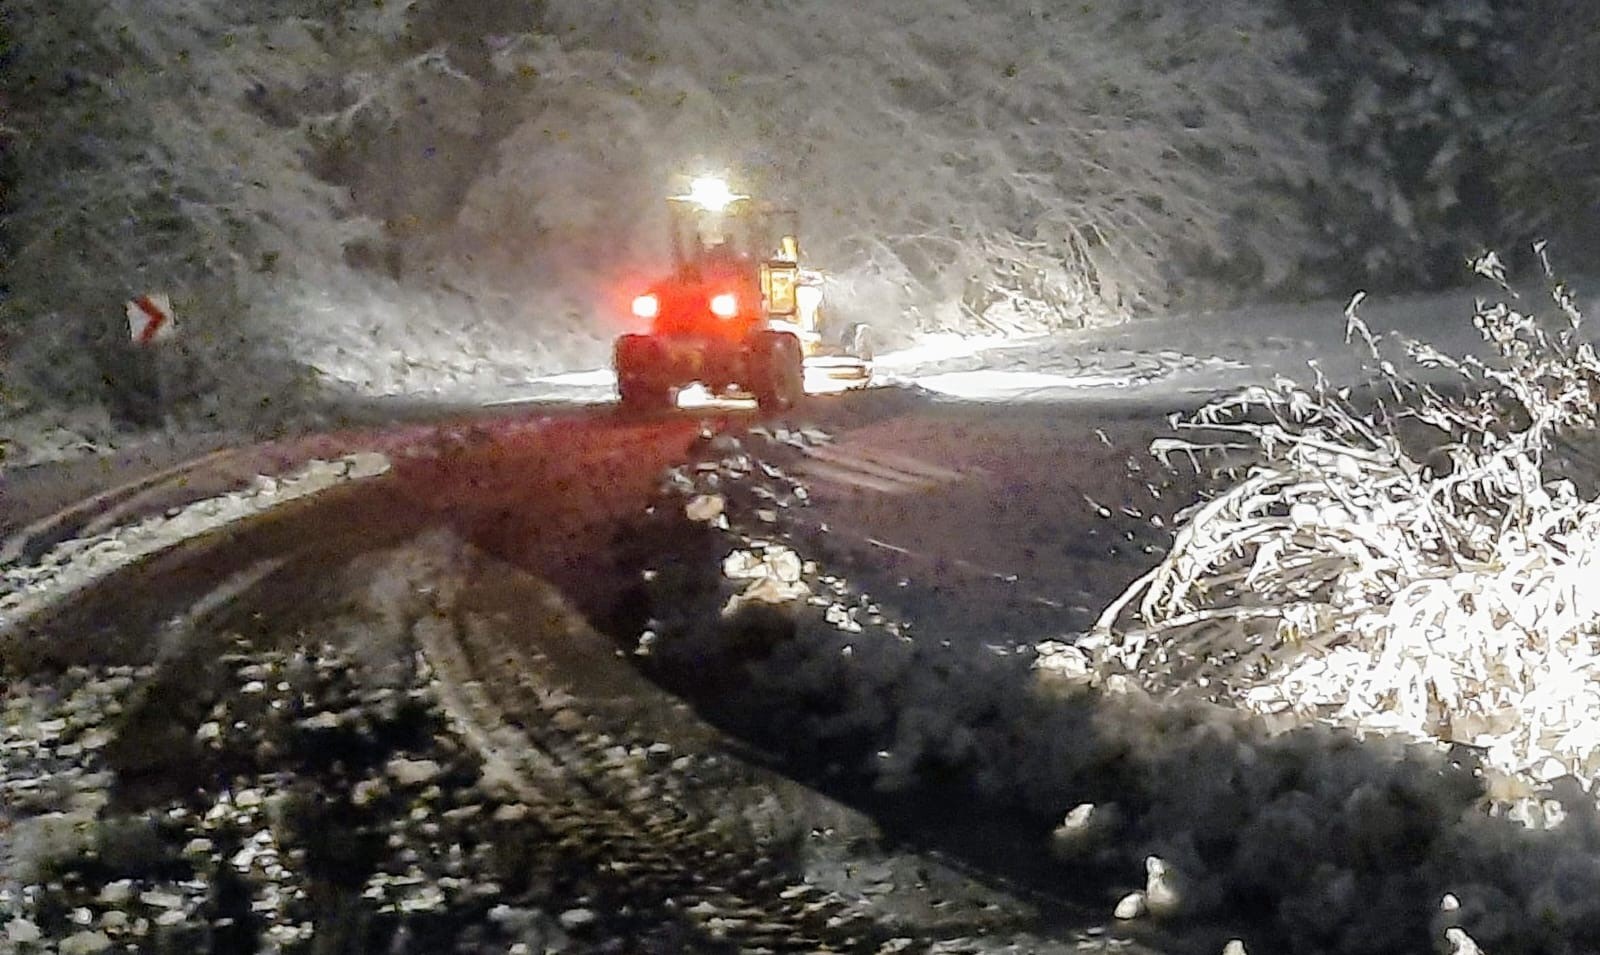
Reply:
x=1309, y=840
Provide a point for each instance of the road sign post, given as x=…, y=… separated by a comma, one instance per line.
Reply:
x=151, y=325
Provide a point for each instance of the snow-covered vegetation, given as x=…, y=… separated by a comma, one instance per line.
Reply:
x=395, y=197
x=1415, y=101
x=149, y=154
x=1413, y=560
x=54, y=434
x=1210, y=819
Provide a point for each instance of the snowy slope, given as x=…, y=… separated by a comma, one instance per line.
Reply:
x=411, y=196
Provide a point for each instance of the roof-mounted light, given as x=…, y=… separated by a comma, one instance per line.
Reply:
x=710, y=194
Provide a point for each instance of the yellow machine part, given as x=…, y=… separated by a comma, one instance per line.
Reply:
x=780, y=286
x=778, y=281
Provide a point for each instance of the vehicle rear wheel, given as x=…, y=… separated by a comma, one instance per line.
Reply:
x=640, y=383
x=778, y=368
x=643, y=396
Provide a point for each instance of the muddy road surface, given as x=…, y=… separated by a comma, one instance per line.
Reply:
x=464, y=701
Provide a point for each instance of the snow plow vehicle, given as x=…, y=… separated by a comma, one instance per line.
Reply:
x=738, y=314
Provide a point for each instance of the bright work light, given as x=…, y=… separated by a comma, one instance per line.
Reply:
x=711, y=194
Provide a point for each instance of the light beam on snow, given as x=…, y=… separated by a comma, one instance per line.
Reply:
x=936, y=348
x=988, y=385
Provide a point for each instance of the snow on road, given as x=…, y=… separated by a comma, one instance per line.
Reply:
x=28, y=588
x=971, y=492
x=1172, y=357
x=503, y=474
x=1168, y=358
x=1176, y=357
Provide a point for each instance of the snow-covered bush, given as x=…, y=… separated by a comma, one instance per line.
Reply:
x=52, y=434
x=1305, y=841
x=1402, y=560
x=134, y=179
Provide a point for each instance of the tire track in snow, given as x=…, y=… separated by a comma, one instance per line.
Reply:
x=725, y=889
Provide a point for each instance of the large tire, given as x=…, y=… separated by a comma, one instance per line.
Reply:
x=642, y=397
x=777, y=366
x=641, y=384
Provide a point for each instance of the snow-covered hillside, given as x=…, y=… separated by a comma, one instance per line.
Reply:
x=392, y=197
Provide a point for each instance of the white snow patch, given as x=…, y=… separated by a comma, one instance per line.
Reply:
x=947, y=346
x=25, y=590
x=593, y=378
x=55, y=435
x=1012, y=385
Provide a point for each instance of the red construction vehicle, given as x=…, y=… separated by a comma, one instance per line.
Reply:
x=738, y=314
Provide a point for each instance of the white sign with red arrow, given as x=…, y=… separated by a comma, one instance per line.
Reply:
x=150, y=319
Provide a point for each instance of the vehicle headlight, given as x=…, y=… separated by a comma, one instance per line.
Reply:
x=725, y=305
x=647, y=306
